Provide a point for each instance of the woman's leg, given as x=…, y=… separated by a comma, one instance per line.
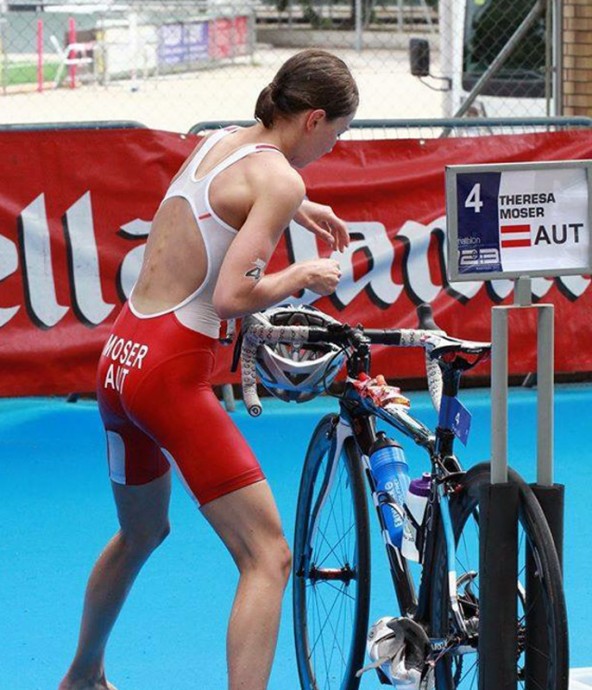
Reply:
x=143, y=518
x=247, y=520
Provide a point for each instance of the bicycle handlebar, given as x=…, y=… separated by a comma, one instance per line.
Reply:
x=260, y=331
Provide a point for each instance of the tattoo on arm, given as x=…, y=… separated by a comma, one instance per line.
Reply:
x=257, y=271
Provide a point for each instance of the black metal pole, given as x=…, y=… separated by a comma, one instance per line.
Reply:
x=551, y=499
x=498, y=574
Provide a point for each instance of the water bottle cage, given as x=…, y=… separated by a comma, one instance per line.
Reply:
x=384, y=498
x=419, y=539
x=412, y=519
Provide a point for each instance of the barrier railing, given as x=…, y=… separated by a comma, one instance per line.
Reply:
x=53, y=126
x=432, y=128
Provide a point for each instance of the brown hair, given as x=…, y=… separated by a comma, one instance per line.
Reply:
x=308, y=80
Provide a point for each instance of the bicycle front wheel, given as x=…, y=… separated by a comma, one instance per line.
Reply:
x=458, y=669
x=331, y=584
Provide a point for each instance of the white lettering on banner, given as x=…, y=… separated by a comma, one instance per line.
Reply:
x=422, y=282
x=417, y=274
x=540, y=286
x=502, y=288
x=370, y=238
x=130, y=267
x=40, y=289
x=498, y=290
x=8, y=266
x=573, y=286
x=84, y=263
x=302, y=245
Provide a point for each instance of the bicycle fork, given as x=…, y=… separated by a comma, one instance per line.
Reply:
x=341, y=432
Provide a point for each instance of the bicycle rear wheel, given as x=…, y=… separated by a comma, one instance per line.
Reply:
x=456, y=671
x=331, y=584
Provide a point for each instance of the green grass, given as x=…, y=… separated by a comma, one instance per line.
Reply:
x=26, y=73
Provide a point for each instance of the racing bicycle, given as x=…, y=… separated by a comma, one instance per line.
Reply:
x=332, y=573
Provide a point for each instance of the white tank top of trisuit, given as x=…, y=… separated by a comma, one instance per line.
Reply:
x=197, y=311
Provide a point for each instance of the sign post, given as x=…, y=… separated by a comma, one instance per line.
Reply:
x=517, y=221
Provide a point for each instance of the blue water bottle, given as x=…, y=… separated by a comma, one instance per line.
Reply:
x=391, y=477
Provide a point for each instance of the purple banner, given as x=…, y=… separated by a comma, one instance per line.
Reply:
x=183, y=43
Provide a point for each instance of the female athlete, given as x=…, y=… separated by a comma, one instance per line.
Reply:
x=205, y=261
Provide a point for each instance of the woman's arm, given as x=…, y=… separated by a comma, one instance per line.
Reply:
x=243, y=287
x=323, y=222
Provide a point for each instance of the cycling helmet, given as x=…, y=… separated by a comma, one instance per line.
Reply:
x=293, y=373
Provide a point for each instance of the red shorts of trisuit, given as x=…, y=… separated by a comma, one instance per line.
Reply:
x=159, y=409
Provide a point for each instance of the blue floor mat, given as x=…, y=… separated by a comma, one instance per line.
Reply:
x=56, y=514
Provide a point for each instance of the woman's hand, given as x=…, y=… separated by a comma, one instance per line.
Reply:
x=322, y=275
x=322, y=221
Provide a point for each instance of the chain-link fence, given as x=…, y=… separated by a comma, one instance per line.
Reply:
x=170, y=64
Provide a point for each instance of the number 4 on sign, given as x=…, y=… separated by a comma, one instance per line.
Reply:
x=473, y=199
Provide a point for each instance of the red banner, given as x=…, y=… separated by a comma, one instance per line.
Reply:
x=76, y=206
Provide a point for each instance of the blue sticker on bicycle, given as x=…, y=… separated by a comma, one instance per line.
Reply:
x=454, y=415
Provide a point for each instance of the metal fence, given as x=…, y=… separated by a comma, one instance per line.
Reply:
x=170, y=64
x=433, y=128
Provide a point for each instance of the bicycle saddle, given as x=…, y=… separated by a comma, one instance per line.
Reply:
x=459, y=354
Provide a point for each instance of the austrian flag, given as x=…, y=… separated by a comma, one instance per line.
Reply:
x=515, y=236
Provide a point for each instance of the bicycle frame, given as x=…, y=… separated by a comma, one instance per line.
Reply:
x=360, y=427
x=356, y=428
x=442, y=620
